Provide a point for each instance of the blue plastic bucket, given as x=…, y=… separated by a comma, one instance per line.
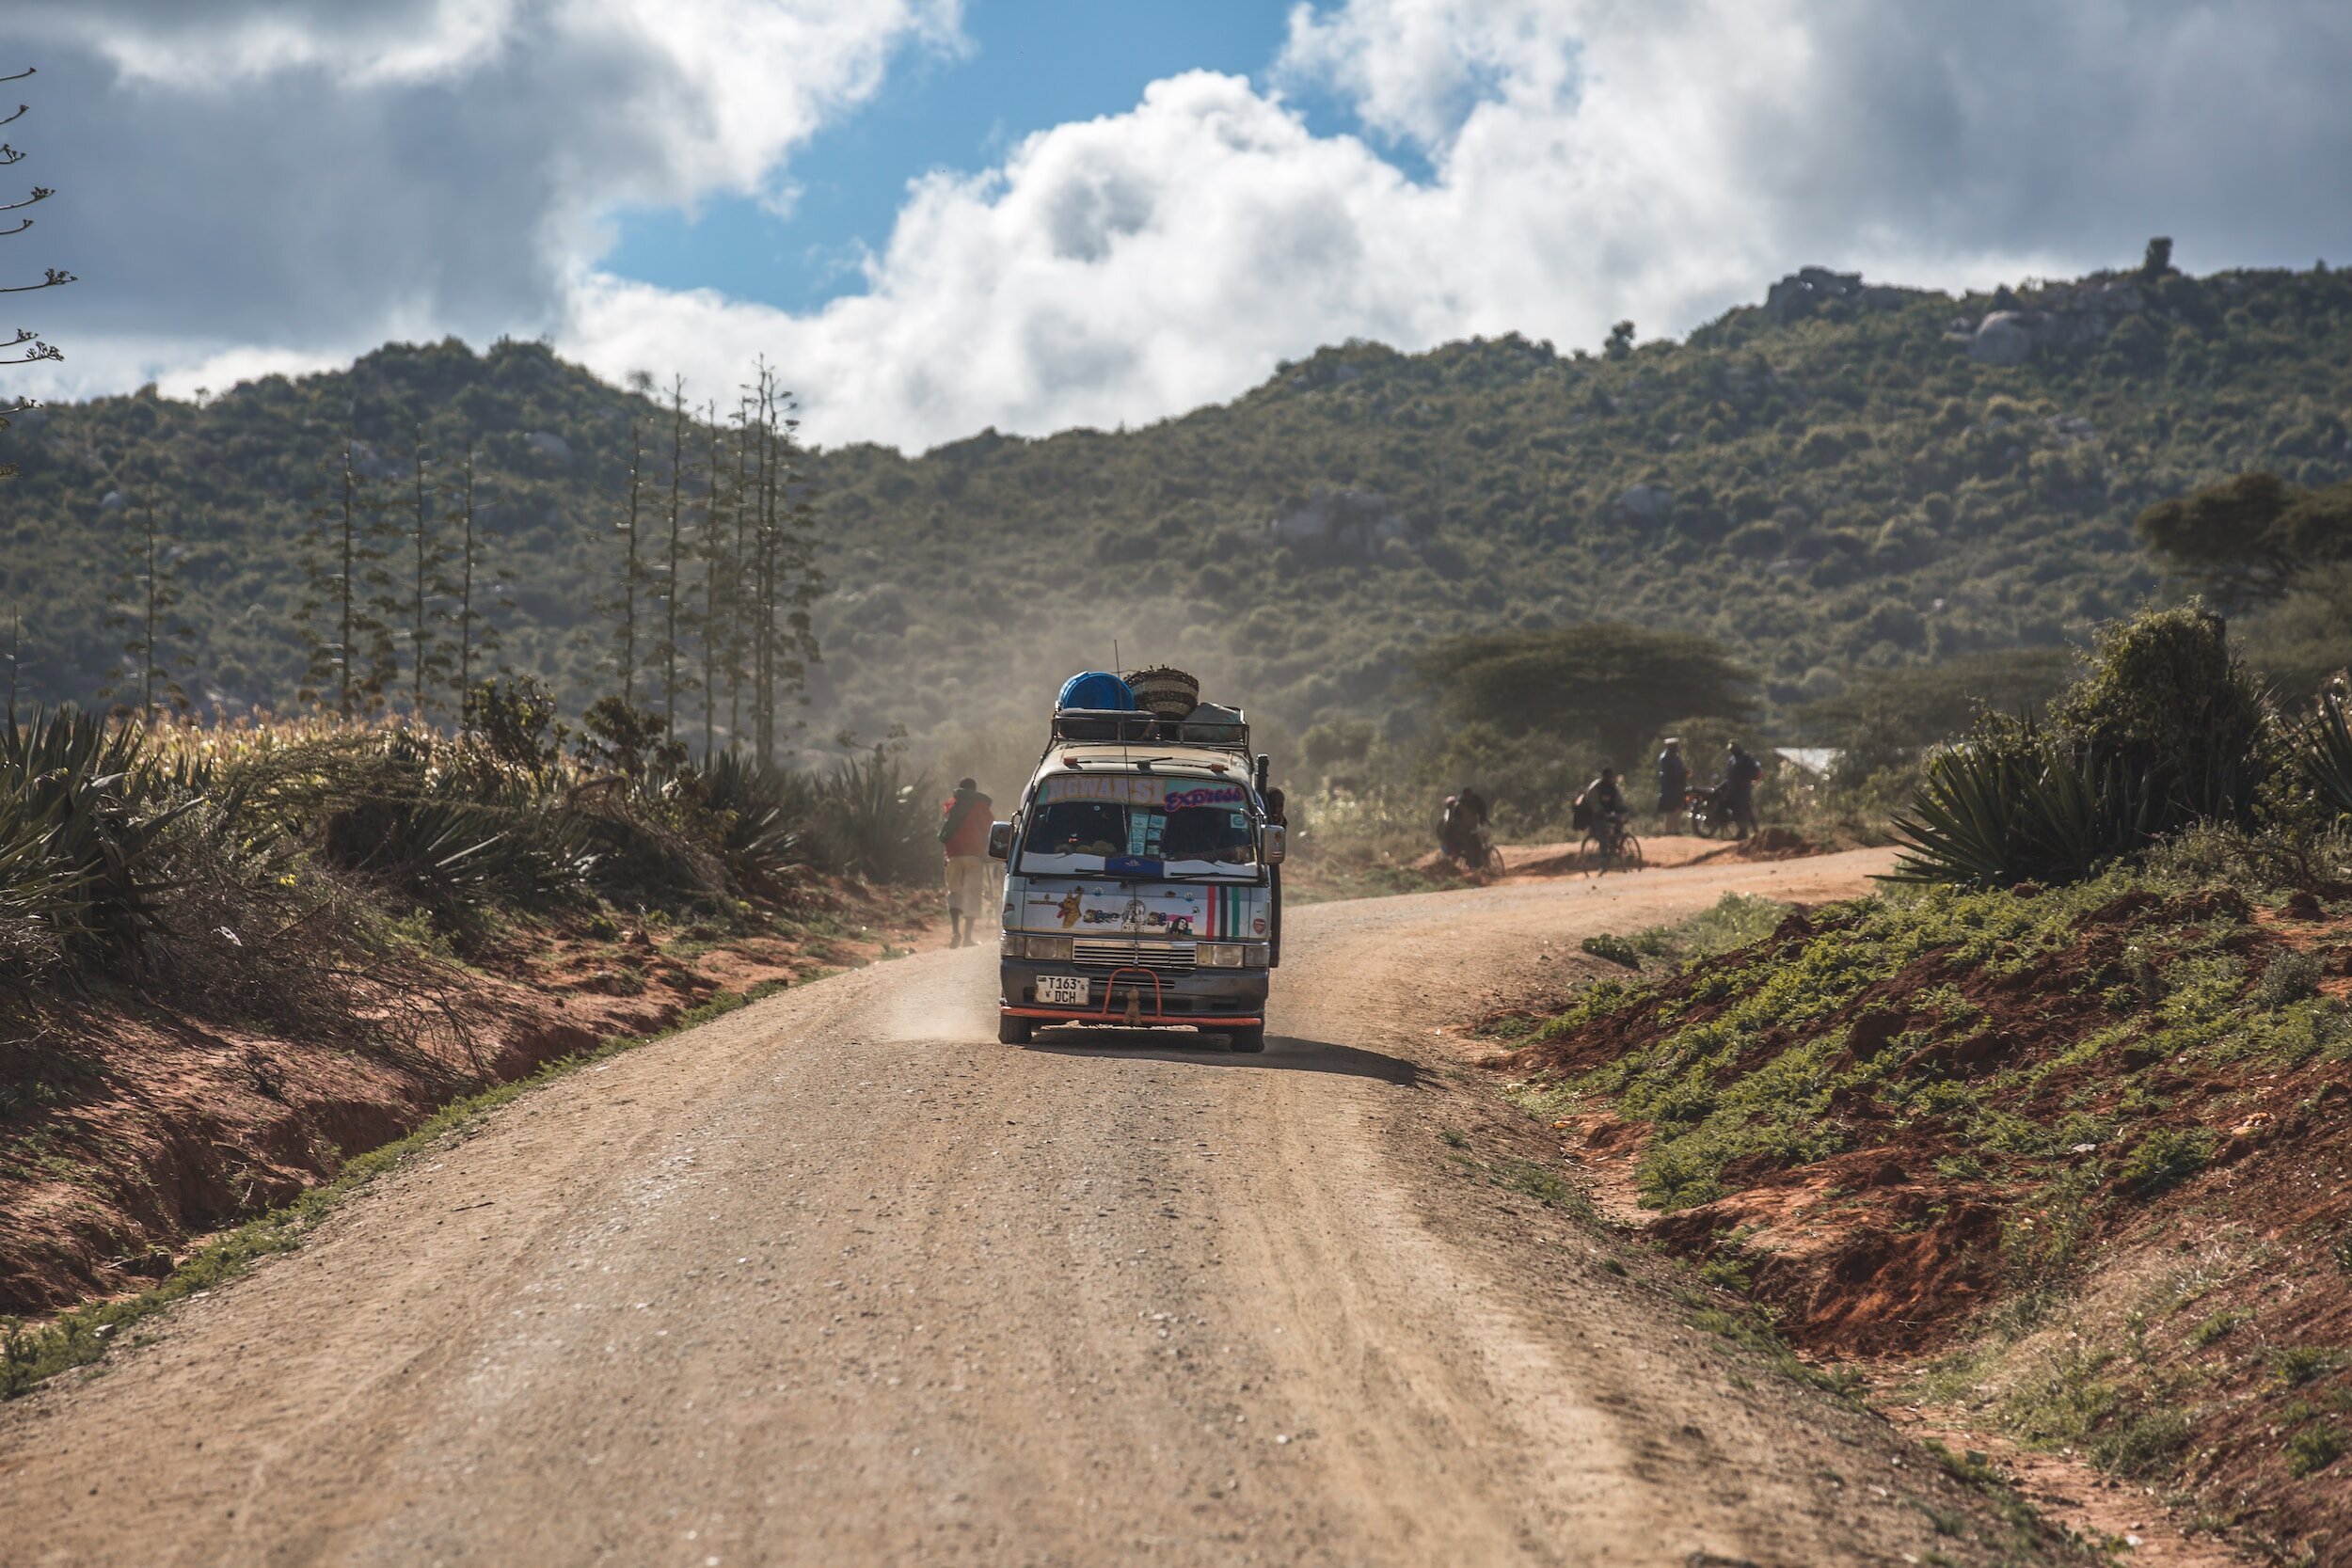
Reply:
x=1097, y=690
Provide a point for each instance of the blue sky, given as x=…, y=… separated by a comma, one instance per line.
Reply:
x=1030, y=65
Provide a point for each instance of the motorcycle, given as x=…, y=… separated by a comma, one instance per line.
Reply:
x=1708, y=811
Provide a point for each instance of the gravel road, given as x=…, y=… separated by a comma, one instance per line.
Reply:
x=837, y=1279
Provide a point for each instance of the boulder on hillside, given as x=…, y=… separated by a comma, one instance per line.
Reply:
x=1346, y=522
x=548, y=445
x=2059, y=316
x=2006, y=338
x=1647, y=502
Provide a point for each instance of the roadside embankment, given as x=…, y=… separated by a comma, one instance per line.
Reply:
x=128, y=1131
x=2060, y=1171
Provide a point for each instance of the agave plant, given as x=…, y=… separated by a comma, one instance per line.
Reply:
x=876, y=820
x=83, y=807
x=762, y=811
x=452, y=831
x=2023, y=808
x=2323, y=753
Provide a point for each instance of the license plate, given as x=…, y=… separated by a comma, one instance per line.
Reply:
x=1062, y=991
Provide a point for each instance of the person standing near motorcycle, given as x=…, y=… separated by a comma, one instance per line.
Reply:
x=1740, y=773
x=1673, y=777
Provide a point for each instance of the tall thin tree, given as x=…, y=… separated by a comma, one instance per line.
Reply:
x=27, y=343
x=739, y=565
x=16, y=657
x=631, y=572
x=344, y=563
x=148, y=594
x=427, y=588
x=673, y=577
x=477, y=633
x=706, y=543
x=785, y=578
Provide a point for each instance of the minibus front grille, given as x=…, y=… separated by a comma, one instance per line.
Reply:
x=1160, y=956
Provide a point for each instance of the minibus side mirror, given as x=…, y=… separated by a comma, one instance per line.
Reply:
x=999, y=841
x=1275, y=836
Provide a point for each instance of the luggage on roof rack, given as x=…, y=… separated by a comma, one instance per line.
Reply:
x=1106, y=724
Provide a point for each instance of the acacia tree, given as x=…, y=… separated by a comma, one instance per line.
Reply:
x=26, y=345
x=2246, y=540
x=147, y=593
x=350, y=644
x=1614, y=684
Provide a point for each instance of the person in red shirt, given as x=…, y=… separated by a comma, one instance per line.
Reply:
x=965, y=818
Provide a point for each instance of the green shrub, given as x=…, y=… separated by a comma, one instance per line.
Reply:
x=1613, y=949
x=2298, y=1364
x=2312, y=1450
x=2215, y=1329
x=2165, y=1157
x=2142, y=1443
x=2168, y=702
x=2292, y=977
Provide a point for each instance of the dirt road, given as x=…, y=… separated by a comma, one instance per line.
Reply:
x=838, y=1279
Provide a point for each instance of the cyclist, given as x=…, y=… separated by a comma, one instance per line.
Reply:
x=1601, y=807
x=1465, y=814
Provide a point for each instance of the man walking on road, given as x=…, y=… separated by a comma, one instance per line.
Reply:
x=966, y=819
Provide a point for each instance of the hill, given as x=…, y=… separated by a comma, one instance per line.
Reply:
x=1844, y=478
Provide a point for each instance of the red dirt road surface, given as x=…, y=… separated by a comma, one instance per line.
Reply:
x=838, y=1279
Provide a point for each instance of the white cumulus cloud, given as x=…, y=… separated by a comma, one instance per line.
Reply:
x=288, y=183
x=1590, y=160
x=1574, y=161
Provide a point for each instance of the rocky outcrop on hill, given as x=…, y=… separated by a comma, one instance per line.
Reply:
x=1808, y=288
x=2061, y=316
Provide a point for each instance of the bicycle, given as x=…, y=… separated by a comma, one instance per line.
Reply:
x=1478, y=858
x=1611, y=846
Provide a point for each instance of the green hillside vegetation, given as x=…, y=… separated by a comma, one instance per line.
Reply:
x=1846, y=480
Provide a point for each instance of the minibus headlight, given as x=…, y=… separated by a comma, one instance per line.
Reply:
x=1218, y=955
x=1052, y=950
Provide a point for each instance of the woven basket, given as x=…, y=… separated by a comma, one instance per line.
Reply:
x=1169, y=693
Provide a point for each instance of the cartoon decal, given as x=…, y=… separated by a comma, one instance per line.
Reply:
x=1202, y=912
